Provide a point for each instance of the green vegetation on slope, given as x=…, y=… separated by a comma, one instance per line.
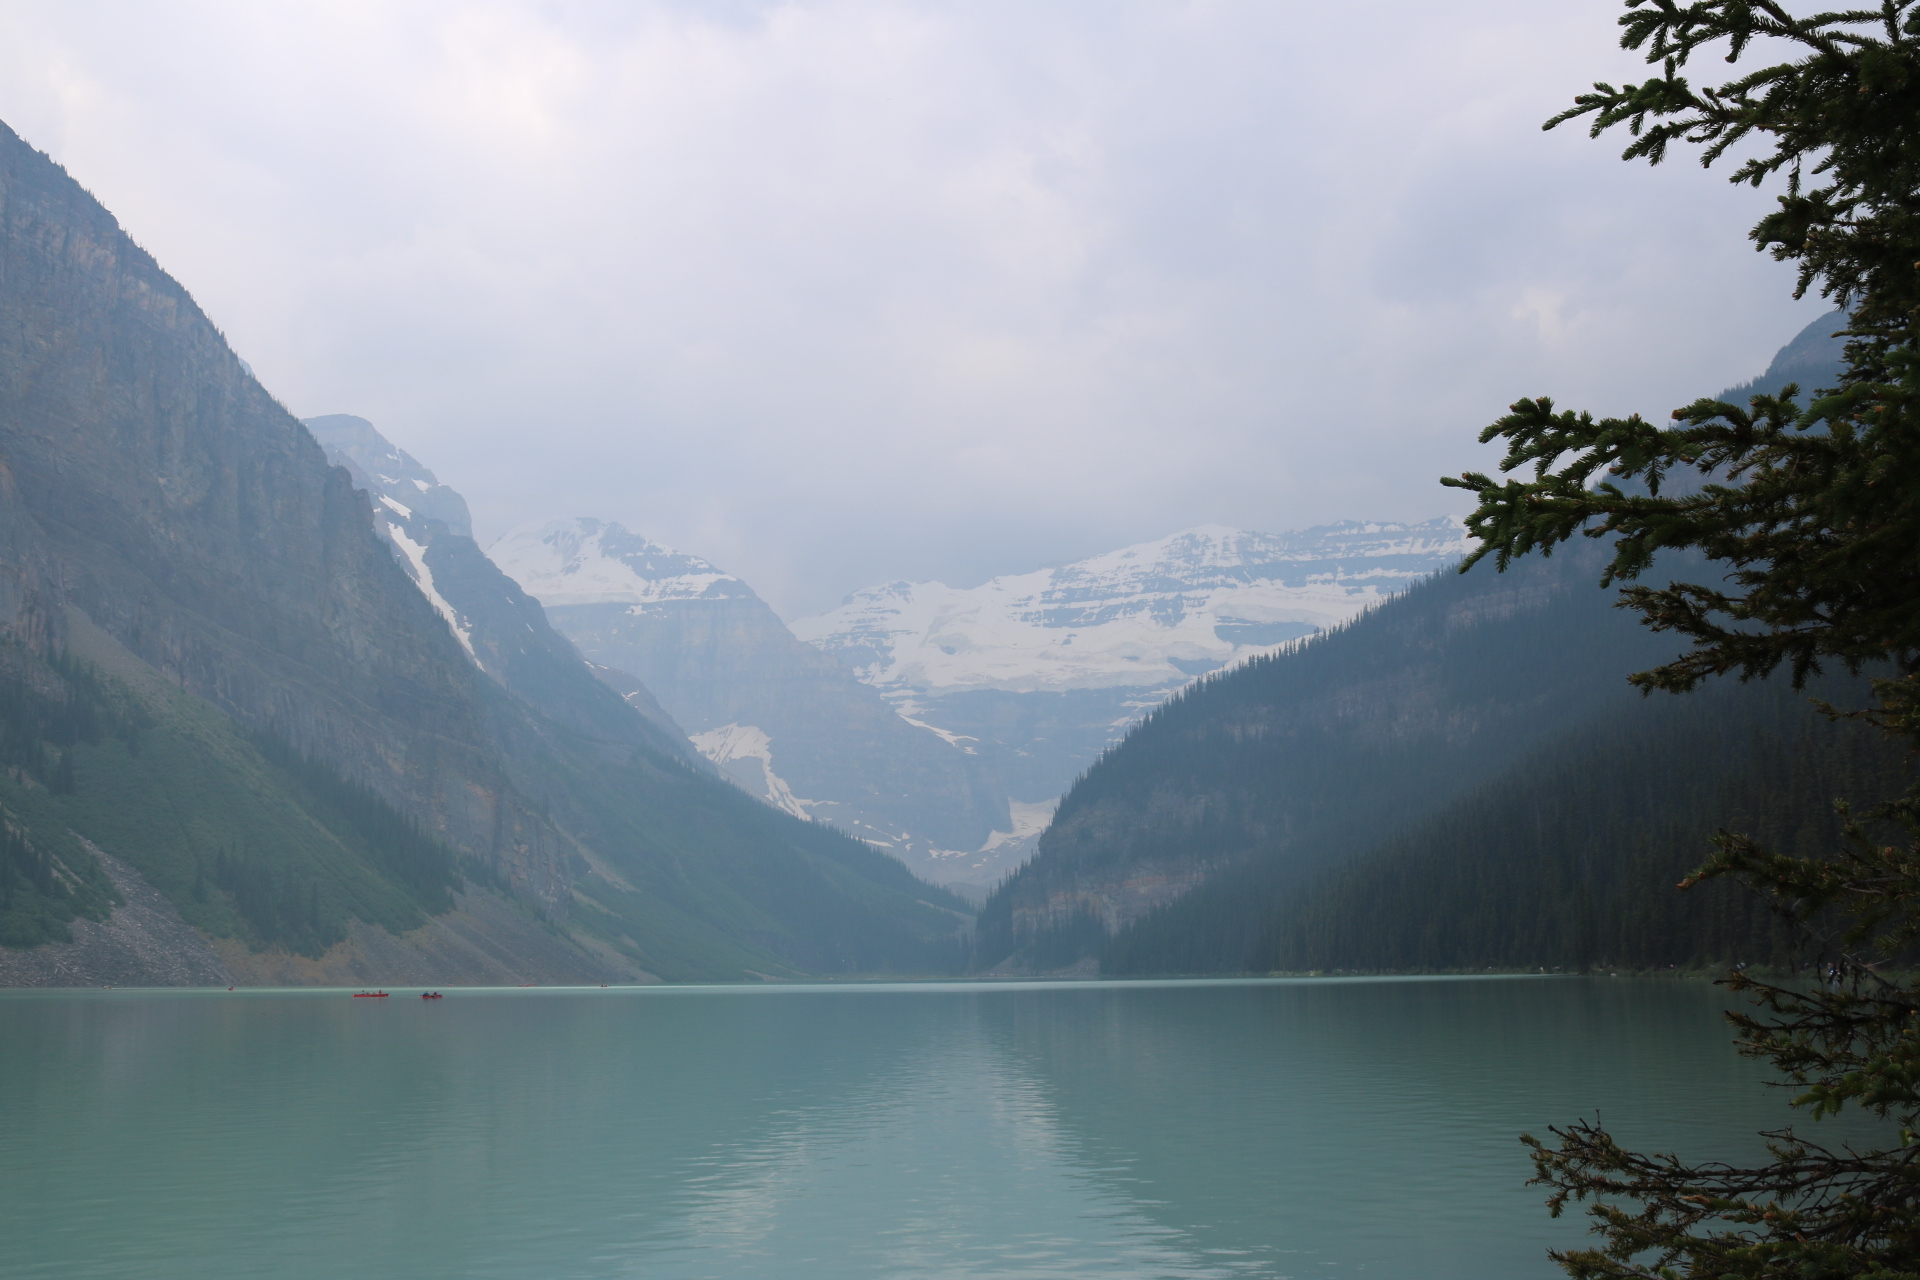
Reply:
x=687, y=876
x=693, y=879
x=1348, y=748
x=248, y=839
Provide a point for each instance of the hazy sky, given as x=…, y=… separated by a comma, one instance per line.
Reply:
x=838, y=293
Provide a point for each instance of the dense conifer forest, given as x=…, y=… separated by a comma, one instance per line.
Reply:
x=1570, y=860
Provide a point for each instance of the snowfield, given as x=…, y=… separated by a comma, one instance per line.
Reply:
x=1150, y=615
x=585, y=561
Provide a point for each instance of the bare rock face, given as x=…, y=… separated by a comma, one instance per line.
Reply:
x=839, y=751
x=196, y=521
x=502, y=629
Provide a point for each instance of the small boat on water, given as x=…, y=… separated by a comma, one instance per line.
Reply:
x=431, y=995
x=369, y=995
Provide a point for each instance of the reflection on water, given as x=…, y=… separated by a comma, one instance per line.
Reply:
x=1268, y=1129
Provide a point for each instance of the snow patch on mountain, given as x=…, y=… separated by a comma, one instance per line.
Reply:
x=585, y=561
x=745, y=753
x=1029, y=820
x=1003, y=852
x=907, y=709
x=416, y=563
x=1155, y=614
x=379, y=466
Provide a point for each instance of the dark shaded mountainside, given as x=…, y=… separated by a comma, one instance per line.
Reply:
x=1458, y=779
x=240, y=742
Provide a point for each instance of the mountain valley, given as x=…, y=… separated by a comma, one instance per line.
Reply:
x=1040, y=673
x=274, y=715
x=948, y=722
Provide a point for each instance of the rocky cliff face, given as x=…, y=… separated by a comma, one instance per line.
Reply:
x=156, y=486
x=165, y=521
x=782, y=718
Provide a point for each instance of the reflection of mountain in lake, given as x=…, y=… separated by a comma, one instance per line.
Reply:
x=1110, y=1130
x=1255, y=1119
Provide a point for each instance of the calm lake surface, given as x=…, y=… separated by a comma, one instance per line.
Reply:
x=1320, y=1128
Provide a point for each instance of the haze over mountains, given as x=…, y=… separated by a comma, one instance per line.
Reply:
x=1460, y=777
x=243, y=739
x=948, y=722
x=780, y=717
x=1042, y=671
x=268, y=713
x=939, y=725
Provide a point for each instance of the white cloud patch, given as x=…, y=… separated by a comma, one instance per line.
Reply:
x=835, y=293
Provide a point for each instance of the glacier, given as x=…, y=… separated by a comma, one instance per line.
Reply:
x=1153, y=614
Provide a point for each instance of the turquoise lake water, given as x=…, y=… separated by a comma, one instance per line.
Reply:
x=1319, y=1127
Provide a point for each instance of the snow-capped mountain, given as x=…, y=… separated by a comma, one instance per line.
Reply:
x=784, y=720
x=583, y=561
x=1042, y=671
x=1142, y=616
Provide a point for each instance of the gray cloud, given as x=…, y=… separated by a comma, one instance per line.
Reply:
x=836, y=293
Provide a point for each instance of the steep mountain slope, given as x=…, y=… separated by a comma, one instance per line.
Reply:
x=500, y=626
x=1041, y=672
x=1183, y=846
x=170, y=527
x=781, y=718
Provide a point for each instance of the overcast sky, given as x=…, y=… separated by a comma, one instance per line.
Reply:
x=839, y=293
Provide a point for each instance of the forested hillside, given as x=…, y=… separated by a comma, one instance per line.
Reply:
x=249, y=839
x=1251, y=779
x=1569, y=860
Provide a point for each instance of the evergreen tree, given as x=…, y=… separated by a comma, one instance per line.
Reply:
x=1814, y=511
